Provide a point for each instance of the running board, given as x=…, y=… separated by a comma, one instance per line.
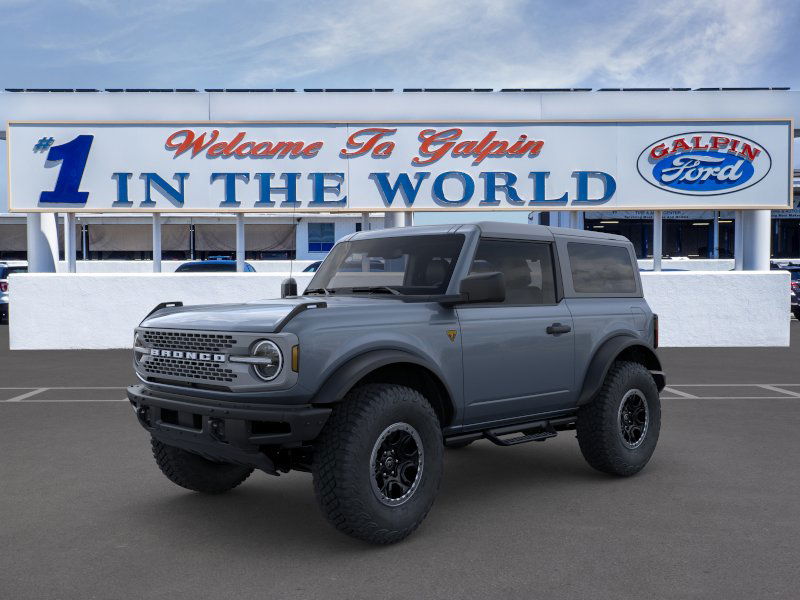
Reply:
x=533, y=431
x=536, y=436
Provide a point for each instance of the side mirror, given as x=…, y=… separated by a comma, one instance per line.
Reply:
x=288, y=287
x=483, y=287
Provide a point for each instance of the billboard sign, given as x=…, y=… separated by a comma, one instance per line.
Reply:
x=284, y=167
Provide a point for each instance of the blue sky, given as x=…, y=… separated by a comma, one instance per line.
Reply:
x=447, y=43
x=404, y=43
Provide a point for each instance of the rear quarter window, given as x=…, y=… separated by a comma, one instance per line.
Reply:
x=601, y=269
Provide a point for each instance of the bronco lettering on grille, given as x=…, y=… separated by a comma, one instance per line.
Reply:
x=204, y=356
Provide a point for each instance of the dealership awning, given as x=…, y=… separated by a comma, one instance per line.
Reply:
x=137, y=238
x=258, y=238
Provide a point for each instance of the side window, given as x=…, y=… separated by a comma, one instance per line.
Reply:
x=320, y=237
x=601, y=269
x=527, y=268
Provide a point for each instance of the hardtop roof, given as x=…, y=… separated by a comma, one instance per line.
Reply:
x=488, y=228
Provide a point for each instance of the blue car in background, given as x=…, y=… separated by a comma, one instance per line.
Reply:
x=214, y=264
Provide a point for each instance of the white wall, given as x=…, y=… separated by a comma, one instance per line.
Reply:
x=692, y=264
x=734, y=308
x=54, y=311
x=79, y=311
x=169, y=266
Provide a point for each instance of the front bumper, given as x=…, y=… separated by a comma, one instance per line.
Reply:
x=226, y=431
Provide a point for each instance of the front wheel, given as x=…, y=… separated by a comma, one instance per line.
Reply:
x=618, y=430
x=378, y=463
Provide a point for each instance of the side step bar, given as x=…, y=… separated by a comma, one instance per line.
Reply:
x=533, y=431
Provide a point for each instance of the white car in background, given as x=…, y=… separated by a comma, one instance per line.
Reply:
x=6, y=269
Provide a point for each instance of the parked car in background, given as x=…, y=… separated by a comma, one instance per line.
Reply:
x=6, y=269
x=312, y=268
x=212, y=265
x=795, y=286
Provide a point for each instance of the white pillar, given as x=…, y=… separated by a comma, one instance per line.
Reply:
x=408, y=219
x=84, y=242
x=756, y=240
x=42, y=237
x=156, y=243
x=364, y=221
x=393, y=219
x=715, y=235
x=738, y=240
x=69, y=241
x=240, y=242
x=658, y=244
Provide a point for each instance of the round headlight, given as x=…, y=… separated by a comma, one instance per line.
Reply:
x=269, y=368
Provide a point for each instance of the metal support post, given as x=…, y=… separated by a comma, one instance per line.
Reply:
x=156, y=242
x=69, y=241
x=658, y=250
x=240, y=247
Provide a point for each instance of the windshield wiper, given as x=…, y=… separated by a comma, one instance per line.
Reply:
x=325, y=291
x=376, y=289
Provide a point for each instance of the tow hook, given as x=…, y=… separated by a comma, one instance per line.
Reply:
x=143, y=414
x=216, y=428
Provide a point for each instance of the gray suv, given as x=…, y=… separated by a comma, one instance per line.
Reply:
x=406, y=342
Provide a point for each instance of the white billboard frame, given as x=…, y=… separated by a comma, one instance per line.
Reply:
x=706, y=123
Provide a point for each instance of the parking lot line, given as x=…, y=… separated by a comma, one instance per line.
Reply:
x=66, y=400
x=27, y=394
x=82, y=387
x=679, y=393
x=775, y=388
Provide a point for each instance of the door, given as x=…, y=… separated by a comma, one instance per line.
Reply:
x=518, y=354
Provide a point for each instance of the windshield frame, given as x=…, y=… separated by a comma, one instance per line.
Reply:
x=331, y=267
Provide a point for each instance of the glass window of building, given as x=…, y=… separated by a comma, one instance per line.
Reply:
x=321, y=237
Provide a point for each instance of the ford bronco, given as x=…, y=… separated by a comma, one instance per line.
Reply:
x=406, y=342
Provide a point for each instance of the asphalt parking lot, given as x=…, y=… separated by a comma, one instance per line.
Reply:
x=85, y=513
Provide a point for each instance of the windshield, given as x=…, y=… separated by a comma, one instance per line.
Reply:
x=412, y=265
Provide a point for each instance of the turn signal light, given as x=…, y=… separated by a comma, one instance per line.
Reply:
x=655, y=331
x=296, y=359
x=3, y=286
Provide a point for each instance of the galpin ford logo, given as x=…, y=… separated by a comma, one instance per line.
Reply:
x=704, y=163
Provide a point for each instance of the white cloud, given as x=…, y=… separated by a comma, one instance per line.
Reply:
x=443, y=43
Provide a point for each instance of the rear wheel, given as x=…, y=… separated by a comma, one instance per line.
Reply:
x=196, y=473
x=378, y=463
x=618, y=430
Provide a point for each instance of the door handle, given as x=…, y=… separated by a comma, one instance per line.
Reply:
x=558, y=329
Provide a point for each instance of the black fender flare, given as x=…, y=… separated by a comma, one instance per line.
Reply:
x=605, y=356
x=352, y=371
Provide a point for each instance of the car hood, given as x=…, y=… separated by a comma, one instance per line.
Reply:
x=262, y=316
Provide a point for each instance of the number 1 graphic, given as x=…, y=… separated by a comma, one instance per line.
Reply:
x=73, y=157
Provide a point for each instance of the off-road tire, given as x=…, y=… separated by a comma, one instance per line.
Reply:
x=342, y=465
x=194, y=472
x=598, y=426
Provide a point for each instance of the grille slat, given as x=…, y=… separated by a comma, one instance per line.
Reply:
x=180, y=340
x=185, y=368
x=192, y=369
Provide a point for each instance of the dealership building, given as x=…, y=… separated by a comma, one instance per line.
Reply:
x=129, y=183
x=702, y=234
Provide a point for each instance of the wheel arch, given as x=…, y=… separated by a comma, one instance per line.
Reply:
x=389, y=366
x=621, y=347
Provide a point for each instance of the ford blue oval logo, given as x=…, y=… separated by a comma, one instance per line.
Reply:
x=704, y=163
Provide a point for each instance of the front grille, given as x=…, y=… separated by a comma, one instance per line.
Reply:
x=183, y=369
x=184, y=340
